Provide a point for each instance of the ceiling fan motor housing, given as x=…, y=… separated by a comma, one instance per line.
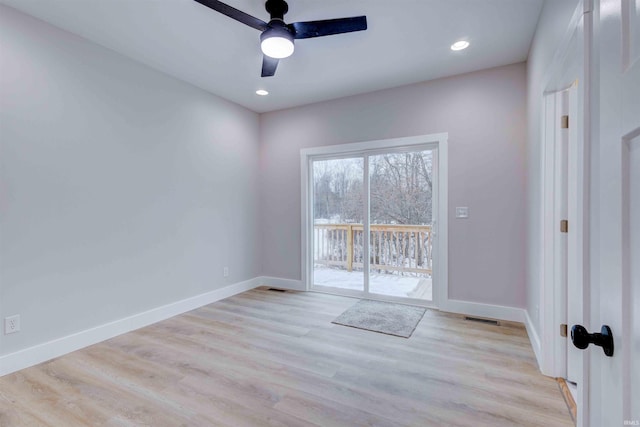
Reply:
x=277, y=28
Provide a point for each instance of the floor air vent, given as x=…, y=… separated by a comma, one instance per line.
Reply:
x=276, y=290
x=487, y=321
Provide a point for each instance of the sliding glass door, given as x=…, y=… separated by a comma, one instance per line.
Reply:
x=338, y=212
x=401, y=216
x=373, y=214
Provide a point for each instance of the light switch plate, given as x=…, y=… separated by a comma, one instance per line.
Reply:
x=462, y=212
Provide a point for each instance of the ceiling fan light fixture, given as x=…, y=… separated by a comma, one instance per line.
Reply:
x=277, y=37
x=276, y=43
x=459, y=45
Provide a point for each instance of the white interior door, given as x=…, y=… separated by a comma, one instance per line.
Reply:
x=557, y=148
x=563, y=199
x=573, y=283
x=615, y=213
x=562, y=139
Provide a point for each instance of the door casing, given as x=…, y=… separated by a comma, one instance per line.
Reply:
x=569, y=71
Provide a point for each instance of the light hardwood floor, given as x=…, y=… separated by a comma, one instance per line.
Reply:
x=268, y=358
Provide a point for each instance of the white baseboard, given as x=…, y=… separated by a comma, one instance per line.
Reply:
x=41, y=353
x=498, y=312
x=288, y=284
x=534, y=338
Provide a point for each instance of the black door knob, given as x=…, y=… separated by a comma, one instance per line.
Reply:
x=581, y=338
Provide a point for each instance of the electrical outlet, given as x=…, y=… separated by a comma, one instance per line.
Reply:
x=225, y=272
x=12, y=324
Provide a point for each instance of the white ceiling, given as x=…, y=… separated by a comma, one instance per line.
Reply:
x=407, y=42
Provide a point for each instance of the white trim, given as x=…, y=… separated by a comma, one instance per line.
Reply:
x=350, y=293
x=578, y=239
x=439, y=143
x=498, y=312
x=575, y=214
x=46, y=351
x=589, y=105
x=366, y=225
x=441, y=272
x=547, y=304
x=358, y=147
x=562, y=51
x=557, y=203
x=533, y=337
x=305, y=205
x=552, y=359
x=280, y=283
x=490, y=311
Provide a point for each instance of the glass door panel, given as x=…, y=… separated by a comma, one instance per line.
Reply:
x=401, y=216
x=338, y=211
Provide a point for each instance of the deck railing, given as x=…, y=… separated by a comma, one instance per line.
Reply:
x=401, y=248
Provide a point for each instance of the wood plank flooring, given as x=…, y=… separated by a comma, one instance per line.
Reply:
x=266, y=358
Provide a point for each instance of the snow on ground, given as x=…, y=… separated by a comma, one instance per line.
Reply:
x=384, y=284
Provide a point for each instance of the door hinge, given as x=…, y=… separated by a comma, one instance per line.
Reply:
x=564, y=122
x=564, y=226
x=563, y=330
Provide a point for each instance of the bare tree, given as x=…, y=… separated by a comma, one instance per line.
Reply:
x=401, y=187
x=338, y=190
x=401, y=190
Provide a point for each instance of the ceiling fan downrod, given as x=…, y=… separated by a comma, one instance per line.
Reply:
x=277, y=9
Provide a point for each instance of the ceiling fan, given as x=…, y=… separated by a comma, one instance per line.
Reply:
x=276, y=40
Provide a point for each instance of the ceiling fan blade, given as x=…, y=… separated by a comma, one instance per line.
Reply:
x=328, y=27
x=234, y=13
x=269, y=66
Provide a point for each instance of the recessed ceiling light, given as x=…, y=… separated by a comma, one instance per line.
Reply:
x=262, y=92
x=462, y=44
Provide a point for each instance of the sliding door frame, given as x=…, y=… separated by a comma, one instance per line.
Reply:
x=436, y=142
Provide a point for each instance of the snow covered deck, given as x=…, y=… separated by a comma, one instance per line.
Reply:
x=384, y=284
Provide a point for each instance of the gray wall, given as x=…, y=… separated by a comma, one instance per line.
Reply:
x=552, y=26
x=121, y=189
x=484, y=114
